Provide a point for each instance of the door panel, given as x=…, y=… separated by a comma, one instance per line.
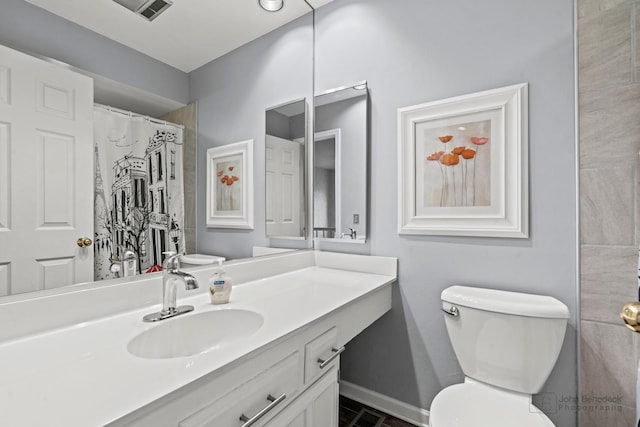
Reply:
x=56, y=272
x=55, y=180
x=46, y=171
x=283, y=188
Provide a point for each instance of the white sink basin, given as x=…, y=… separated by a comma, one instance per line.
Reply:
x=193, y=334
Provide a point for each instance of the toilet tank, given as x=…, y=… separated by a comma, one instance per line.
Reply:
x=507, y=339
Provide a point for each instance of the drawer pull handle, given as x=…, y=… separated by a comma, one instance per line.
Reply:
x=336, y=353
x=275, y=401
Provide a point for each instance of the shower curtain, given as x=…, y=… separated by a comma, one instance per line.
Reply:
x=138, y=202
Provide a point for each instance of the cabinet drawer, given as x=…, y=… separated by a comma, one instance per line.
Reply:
x=320, y=354
x=265, y=390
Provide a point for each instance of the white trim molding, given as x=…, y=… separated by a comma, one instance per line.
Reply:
x=403, y=411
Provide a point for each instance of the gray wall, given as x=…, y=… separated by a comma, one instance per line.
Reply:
x=233, y=93
x=277, y=124
x=414, y=51
x=324, y=184
x=29, y=28
x=283, y=126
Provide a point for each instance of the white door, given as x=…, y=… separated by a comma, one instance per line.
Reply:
x=283, y=187
x=46, y=174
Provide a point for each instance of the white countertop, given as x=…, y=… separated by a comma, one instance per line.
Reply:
x=82, y=375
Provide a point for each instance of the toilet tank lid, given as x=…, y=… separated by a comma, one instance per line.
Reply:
x=516, y=303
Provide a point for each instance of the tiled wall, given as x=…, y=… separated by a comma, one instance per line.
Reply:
x=187, y=116
x=609, y=106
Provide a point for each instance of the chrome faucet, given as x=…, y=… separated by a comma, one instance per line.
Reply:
x=352, y=232
x=126, y=266
x=171, y=274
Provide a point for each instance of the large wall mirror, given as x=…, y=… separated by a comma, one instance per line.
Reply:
x=229, y=98
x=285, y=172
x=340, y=164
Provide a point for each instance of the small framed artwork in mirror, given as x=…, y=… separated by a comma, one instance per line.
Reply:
x=463, y=165
x=230, y=186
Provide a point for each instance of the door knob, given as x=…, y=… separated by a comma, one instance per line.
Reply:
x=630, y=315
x=83, y=242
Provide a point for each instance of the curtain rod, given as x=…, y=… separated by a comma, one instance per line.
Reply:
x=131, y=114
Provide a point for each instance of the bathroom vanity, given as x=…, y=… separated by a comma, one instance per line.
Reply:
x=271, y=356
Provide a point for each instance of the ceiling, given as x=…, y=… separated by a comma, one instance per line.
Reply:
x=188, y=34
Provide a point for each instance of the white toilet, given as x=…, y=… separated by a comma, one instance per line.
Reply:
x=507, y=344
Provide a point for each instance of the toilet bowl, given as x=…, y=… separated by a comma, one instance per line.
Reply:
x=507, y=343
x=480, y=405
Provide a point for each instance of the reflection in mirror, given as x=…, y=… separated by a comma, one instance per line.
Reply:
x=97, y=193
x=340, y=164
x=285, y=170
x=129, y=81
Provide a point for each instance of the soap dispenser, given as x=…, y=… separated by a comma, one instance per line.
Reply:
x=220, y=285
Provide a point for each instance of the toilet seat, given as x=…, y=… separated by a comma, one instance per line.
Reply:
x=473, y=404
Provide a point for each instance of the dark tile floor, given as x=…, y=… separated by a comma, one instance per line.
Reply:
x=355, y=414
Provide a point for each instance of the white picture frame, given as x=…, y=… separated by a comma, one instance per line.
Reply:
x=230, y=186
x=463, y=165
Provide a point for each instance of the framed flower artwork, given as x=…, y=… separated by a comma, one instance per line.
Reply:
x=463, y=165
x=230, y=186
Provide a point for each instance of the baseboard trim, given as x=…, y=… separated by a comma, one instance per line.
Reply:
x=409, y=413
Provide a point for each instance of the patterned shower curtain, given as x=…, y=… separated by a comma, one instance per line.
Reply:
x=138, y=203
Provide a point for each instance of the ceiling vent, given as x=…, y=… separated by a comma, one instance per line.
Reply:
x=148, y=9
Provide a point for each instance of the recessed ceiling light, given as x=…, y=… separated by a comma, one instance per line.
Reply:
x=271, y=5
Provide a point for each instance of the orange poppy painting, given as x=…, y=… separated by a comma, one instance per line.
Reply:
x=229, y=189
x=463, y=165
x=455, y=170
x=229, y=196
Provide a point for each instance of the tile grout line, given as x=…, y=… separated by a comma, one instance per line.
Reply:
x=634, y=65
x=634, y=68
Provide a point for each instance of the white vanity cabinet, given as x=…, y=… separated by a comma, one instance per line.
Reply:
x=293, y=383
x=311, y=303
